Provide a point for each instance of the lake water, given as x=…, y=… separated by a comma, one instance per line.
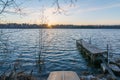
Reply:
x=59, y=49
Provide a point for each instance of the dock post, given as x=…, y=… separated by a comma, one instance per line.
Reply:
x=91, y=58
x=81, y=46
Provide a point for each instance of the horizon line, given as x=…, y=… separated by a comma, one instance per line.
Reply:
x=65, y=24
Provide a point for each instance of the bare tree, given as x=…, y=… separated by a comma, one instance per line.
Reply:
x=58, y=6
x=42, y=21
x=3, y=42
x=4, y=4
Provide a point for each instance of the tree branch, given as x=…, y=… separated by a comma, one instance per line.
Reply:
x=57, y=3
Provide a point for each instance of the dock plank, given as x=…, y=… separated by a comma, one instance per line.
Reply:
x=108, y=69
x=91, y=48
x=63, y=75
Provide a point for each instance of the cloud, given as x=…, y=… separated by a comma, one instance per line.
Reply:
x=98, y=8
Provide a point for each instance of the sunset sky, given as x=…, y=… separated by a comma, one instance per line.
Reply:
x=83, y=12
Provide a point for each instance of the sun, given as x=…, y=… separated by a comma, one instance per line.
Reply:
x=49, y=26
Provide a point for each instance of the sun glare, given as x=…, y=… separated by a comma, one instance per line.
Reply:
x=49, y=26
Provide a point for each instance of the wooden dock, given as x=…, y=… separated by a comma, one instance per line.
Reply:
x=90, y=50
x=94, y=53
x=63, y=75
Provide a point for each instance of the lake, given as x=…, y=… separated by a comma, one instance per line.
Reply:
x=21, y=47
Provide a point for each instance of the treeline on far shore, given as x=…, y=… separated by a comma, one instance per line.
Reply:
x=35, y=26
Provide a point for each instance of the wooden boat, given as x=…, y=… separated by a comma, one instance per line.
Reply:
x=63, y=75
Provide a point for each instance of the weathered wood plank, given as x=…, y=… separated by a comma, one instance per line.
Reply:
x=91, y=48
x=106, y=66
x=63, y=75
x=114, y=67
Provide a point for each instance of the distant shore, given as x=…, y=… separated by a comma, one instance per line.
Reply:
x=45, y=26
